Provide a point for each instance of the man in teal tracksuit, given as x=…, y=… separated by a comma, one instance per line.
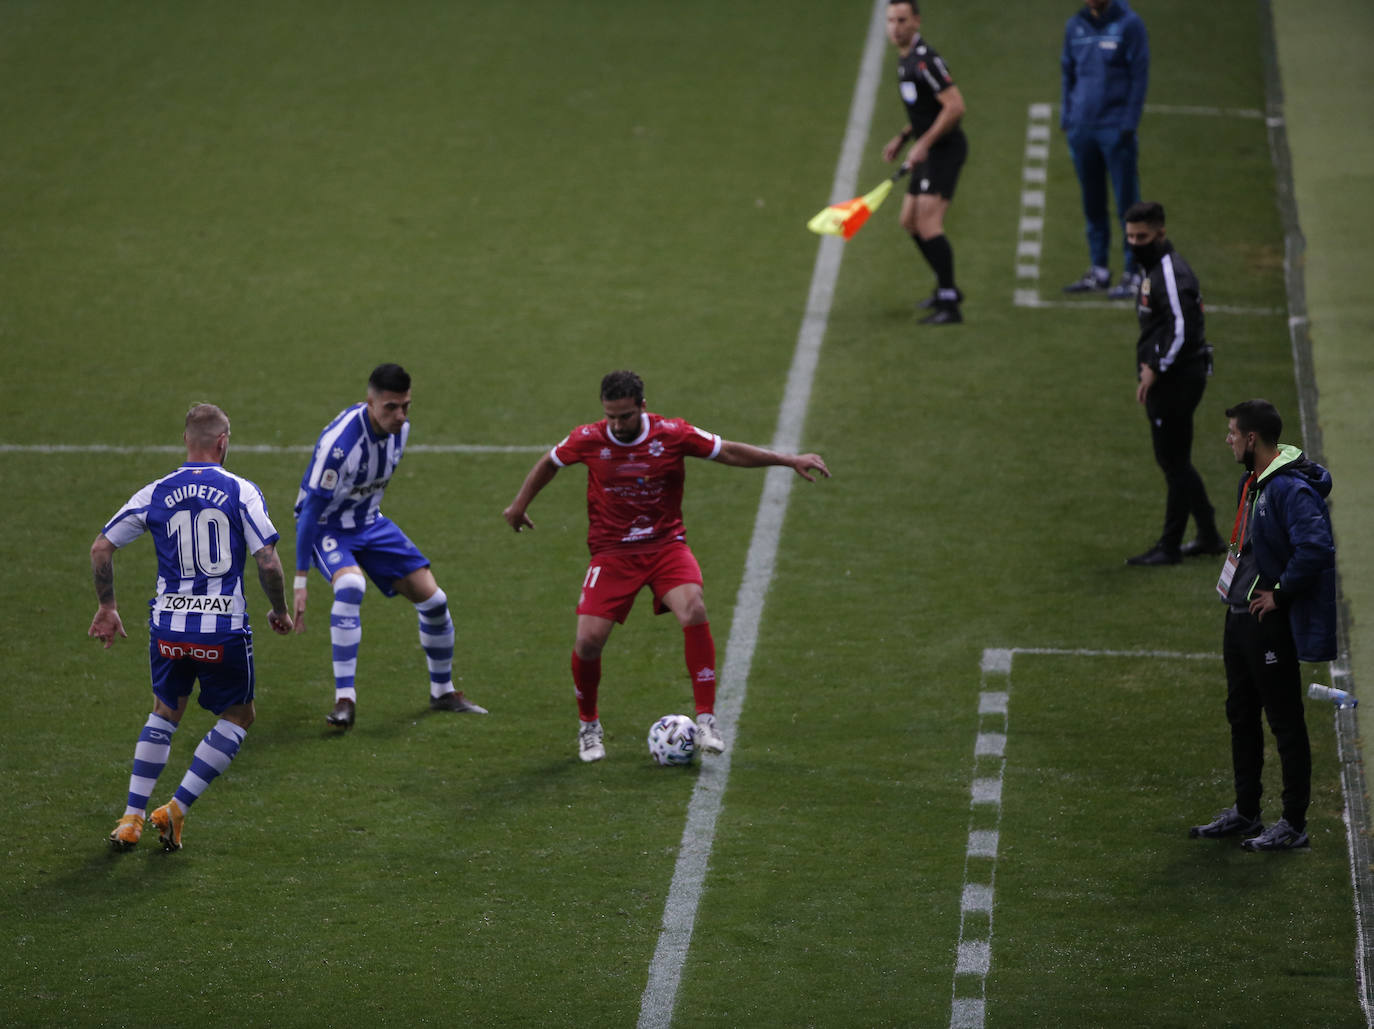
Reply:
x=1105, y=69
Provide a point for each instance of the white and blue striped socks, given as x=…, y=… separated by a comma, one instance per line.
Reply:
x=151, y=752
x=346, y=632
x=436, y=637
x=212, y=757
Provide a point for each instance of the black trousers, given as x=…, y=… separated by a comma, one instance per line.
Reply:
x=1263, y=675
x=1170, y=405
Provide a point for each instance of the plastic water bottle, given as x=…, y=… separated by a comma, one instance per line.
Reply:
x=1340, y=698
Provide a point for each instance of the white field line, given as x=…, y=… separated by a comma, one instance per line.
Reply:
x=973, y=953
x=1030, y=232
x=258, y=448
x=689, y=875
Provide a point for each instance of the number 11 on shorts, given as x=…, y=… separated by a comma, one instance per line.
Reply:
x=593, y=573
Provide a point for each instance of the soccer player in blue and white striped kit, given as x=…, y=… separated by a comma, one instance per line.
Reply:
x=340, y=527
x=204, y=522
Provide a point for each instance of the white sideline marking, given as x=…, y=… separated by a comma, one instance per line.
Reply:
x=258, y=448
x=1031, y=224
x=974, y=958
x=976, y=898
x=973, y=952
x=684, y=894
x=991, y=744
x=982, y=843
x=967, y=1014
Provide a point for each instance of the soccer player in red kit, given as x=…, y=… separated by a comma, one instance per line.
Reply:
x=635, y=472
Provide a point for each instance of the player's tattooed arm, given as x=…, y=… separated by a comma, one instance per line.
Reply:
x=102, y=570
x=106, y=624
x=273, y=581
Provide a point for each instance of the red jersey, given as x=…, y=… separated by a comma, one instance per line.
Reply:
x=634, y=490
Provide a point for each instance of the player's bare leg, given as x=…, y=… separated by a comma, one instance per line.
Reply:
x=688, y=604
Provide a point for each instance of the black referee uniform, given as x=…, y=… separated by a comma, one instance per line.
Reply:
x=921, y=76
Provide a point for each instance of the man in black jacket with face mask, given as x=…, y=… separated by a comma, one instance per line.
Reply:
x=1174, y=362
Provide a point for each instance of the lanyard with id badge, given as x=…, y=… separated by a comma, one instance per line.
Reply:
x=1232, y=562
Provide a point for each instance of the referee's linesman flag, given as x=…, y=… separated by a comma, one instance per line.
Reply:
x=848, y=218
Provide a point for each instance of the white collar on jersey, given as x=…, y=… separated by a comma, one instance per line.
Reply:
x=643, y=433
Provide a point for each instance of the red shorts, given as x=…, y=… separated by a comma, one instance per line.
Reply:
x=614, y=579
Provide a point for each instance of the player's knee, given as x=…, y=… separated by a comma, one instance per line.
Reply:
x=436, y=605
x=349, y=588
x=589, y=648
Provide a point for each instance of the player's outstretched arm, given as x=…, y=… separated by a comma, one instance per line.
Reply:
x=274, y=585
x=106, y=624
x=539, y=476
x=745, y=455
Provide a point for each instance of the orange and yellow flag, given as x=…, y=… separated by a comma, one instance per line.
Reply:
x=848, y=218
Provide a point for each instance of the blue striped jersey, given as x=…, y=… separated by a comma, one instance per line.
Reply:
x=205, y=523
x=350, y=469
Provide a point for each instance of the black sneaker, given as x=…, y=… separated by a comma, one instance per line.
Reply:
x=944, y=314
x=455, y=701
x=1229, y=823
x=1159, y=554
x=342, y=715
x=1091, y=282
x=1279, y=836
x=1201, y=547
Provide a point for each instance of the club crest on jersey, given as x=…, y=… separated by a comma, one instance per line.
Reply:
x=656, y=448
x=605, y=453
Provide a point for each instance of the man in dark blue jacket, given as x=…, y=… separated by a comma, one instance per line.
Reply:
x=1279, y=585
x=1105, y=68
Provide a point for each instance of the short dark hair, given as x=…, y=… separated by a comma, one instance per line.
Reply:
x=616, y=385
x=909, y=3
x=389, y=378
x=1146, y=211
x=1258, y=416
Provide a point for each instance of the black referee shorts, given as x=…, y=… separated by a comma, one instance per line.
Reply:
x=939, y=173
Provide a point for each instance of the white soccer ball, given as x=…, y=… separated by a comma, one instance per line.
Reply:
x=673, y=740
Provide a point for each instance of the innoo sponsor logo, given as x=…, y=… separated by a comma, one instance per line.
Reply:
x=210, y=653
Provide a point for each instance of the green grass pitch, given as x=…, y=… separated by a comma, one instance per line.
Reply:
x=254, y=204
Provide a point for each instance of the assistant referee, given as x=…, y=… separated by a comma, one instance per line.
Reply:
x=934, y=107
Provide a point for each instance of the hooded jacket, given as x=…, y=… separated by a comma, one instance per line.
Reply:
x=1104, y=70
x=1290, y=531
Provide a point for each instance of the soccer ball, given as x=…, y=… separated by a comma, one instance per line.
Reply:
x=673, y=740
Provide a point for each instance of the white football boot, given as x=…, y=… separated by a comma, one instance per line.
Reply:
x=589, y=741
x=708, y=739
